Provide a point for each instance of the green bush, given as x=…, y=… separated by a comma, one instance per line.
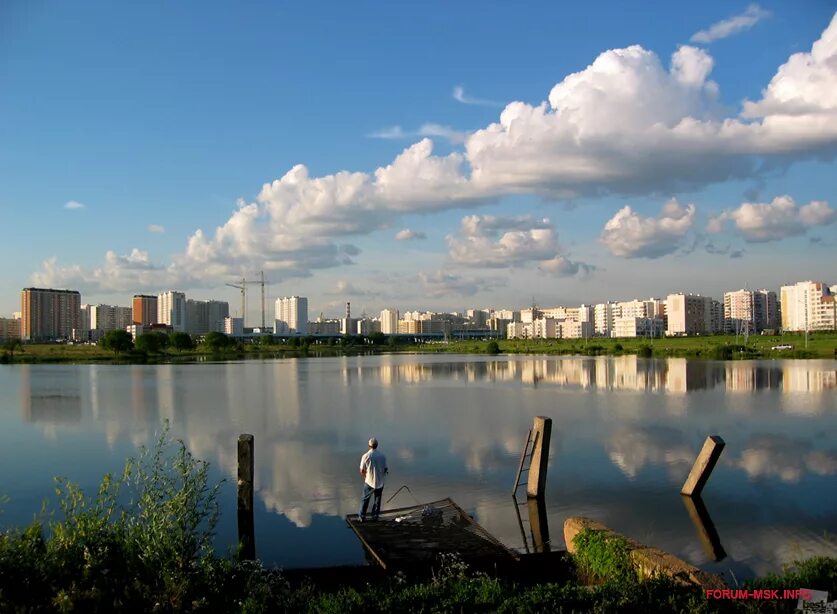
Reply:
x=603, y=555
x=492, y=348
x=645, y=351
x=143, y=542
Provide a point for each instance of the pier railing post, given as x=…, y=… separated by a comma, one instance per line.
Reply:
x=541, y=432
x=246, y=528
x=704, y=464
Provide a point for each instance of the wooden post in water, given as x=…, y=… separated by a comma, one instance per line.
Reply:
x=246, y=528
x=541, y=432
x=704, y=464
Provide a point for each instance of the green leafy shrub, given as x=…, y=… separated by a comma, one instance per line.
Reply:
x=604, y=555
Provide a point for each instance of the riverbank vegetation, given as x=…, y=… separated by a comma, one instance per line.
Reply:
x=143, y=543
x=158, y=347
x=714, y=347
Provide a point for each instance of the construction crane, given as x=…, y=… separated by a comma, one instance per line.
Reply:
x=242, y=286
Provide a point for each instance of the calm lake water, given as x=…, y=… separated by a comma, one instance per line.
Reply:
x=625, y=433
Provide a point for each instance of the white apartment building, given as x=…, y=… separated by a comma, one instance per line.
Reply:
x=692, y=314
x=750, y=311
x=171, y=310
x=576, y=329
x=808, y=305
x=291, y=316
x=546, y=328
x=506, y=314
x=108, y=317
x=389, y=321
x=603, y=319
x=638, y=327
x=519, y=330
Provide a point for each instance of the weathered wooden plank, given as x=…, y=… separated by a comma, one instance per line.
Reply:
x=542, y=433
x=704, y=464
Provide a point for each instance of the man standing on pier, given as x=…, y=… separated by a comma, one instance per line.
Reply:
x=373, y=468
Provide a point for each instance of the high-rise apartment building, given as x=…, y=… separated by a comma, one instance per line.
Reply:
x=739, y=312
x=808, y=305
x=604, y=318
x=206, y=316
x=767, y=310
x=108, y=317
x=291, y=316
x=48, y=314
x=692, y=314
x=144, y=309
x=171, y=310
x=750, y=311
x=389, y=321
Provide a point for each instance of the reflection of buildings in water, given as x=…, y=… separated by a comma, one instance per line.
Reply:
x=801, y=377
x=627, y=372
x=778, y=456
x=286, y=388
x=748, y=377
x=165, y=392
x=52, y=400
x=676, y=377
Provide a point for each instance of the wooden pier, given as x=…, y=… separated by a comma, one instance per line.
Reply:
x=416, y=536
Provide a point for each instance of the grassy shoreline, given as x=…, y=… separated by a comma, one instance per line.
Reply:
x=717, y=347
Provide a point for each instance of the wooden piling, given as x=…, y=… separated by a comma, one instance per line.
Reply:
x=246, y=527
x=541, y=432
x=704, y=464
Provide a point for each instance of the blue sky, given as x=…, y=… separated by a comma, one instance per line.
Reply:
x=161, y=120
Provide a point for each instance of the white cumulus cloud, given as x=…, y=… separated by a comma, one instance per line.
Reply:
x=629, y=123
x=727, y=27
x=132, y=272
x=156, y=228
x=489, y=241
x=629, y=235
x=73, y=205
x=778, y=219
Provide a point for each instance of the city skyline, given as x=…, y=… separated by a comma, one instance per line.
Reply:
x=472, y=158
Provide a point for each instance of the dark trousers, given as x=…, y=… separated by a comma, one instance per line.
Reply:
x=375, y=495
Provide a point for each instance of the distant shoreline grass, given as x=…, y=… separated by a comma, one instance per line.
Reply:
x=714, y=347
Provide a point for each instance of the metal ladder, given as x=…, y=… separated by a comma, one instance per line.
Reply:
x=525, y=455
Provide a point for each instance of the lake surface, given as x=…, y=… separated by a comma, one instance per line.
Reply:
x=625, y=433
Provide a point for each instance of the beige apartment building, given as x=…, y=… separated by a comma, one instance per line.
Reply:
x=809, y=305
x=48, y=314
x=693, y=314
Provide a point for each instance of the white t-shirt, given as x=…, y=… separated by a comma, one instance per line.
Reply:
x=375, y=464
